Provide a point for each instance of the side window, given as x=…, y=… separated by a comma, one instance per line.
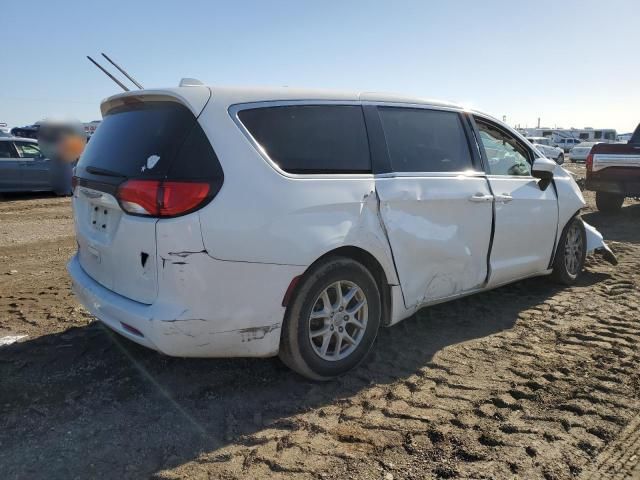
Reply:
x=6, y=151
x=421, y=140
x=28, y=150
x=311, y=138
x=505, y=154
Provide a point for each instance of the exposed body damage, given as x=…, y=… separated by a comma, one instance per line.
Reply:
x=212, y=282
x=596, y=244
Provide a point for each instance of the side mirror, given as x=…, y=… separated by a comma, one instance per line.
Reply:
x=543, y=169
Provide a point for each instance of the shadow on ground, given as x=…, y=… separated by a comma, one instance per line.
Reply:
x=87, y=403
x=622, y=226
x=14, y=196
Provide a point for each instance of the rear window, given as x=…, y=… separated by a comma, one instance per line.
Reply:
x=311, y=138
x=421, y=140
x=152, y=140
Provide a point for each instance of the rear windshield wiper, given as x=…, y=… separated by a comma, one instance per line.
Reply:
x=104, y=172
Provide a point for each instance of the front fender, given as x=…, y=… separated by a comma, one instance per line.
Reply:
x=596, y=244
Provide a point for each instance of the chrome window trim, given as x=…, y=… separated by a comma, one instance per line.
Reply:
x=421, y=106
x=464, y=173
x=235, y=109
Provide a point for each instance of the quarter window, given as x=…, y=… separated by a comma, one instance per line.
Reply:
x=311, y=138
x=505, y=154
x=422, y=140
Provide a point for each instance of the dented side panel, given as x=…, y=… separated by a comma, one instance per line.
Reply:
x=439, y=237
x=238, y=301
x=283, y=218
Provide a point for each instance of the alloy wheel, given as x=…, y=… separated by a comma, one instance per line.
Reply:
x=573, y=248
x=338, y=320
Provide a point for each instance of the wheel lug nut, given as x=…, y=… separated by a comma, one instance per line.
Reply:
x=346, y=317
x=340, y=329
x=340, y=309
x=331, y=328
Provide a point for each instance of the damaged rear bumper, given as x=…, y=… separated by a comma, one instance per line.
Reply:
x=596, y=244
x=174, y=328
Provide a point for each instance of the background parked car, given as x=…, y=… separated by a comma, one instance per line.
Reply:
x=580, y=152
x=567, y=144
x=613, y=172
x=23, y=168
x=544, y=145
x=29, y=131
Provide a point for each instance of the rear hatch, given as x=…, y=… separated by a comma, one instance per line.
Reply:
x=145, y=141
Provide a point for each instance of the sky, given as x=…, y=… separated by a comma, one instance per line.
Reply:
x=571, y=63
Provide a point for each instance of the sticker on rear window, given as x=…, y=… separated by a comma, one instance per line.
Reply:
x=151, y=162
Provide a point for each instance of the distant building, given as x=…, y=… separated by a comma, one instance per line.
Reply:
x=90, y=127
x=607, y=135
x=624, y=137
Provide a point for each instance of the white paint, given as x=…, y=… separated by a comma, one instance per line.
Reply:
x=214, y=280
x=9, y=339
x=439, y=235
x=525, y=225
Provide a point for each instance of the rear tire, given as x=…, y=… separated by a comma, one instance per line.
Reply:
x=319, y=319
x=570, y=253
x=609, y=202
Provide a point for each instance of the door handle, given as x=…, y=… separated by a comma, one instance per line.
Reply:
x=504, y=198
x=481, y=198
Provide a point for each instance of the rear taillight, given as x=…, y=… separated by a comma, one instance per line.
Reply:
x=589, y=162
x=74, y=183
x=162, y=198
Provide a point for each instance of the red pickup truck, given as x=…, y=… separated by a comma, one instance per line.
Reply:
x=613, y=172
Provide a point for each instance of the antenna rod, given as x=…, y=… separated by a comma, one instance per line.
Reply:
x=123, y=72
x=108, y=74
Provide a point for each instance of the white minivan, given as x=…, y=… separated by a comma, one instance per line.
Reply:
x=220, y=222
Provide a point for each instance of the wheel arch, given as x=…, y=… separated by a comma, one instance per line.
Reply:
x=369, y=261
x=559, y=236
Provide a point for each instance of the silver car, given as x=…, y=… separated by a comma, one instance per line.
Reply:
x=23, y=168
x=580, y=152
x=544, y=145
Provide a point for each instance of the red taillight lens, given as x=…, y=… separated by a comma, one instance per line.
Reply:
x=160, y=198
x=181, y=197
x=589, y=162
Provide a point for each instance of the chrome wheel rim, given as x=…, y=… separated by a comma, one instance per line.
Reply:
x=573, y=250
x=338, y=320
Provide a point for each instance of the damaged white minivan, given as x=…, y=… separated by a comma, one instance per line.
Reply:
x=225, y=222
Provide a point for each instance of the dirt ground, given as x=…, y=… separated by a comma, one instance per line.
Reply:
x=529, y=380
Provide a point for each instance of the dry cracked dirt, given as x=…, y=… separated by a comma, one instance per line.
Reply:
x=527, y=381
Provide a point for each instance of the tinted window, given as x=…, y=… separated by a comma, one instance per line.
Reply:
x=505, y=154
x=5, y=150
x=421, y=140
x=151, y=140
x=311, y=138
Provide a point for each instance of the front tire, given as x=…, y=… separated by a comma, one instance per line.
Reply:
x=609, y=202
x=333, y=320
x=571, y=252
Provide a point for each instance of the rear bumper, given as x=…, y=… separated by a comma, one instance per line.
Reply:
x=199, y=325
x=621, y=187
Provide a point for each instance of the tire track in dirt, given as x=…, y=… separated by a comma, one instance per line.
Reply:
x=527, y=381
x=621, y=458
